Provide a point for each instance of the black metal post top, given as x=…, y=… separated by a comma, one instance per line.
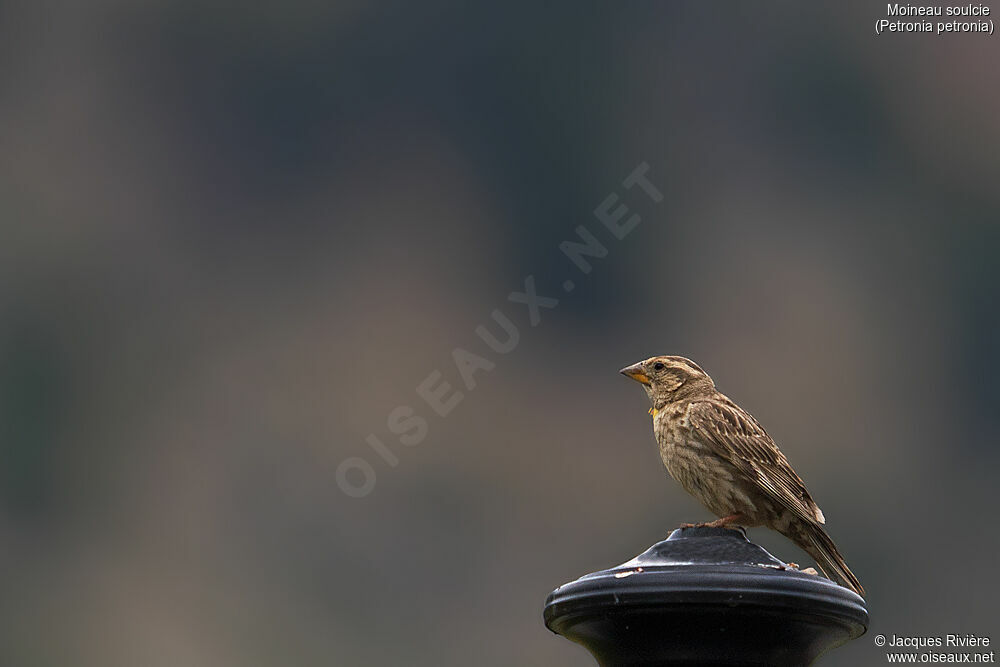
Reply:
x=705, y=596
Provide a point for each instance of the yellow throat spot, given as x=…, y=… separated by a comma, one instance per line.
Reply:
x=654, y=412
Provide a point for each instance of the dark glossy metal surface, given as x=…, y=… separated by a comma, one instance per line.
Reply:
x=705, y=596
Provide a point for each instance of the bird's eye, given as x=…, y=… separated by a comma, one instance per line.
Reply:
x=658, y=366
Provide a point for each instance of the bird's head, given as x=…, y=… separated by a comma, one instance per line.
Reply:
x=668, y=379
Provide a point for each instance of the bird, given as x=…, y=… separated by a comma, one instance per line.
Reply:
x=723, y=457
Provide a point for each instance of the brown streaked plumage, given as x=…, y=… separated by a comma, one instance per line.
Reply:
x=723, y=457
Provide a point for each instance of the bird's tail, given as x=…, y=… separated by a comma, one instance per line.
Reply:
x=814, y=541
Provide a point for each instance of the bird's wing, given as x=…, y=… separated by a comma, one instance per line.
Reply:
x=738, y=438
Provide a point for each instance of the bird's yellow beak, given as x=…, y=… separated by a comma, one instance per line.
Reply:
x=636, y=373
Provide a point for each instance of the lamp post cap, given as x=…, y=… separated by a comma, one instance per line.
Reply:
x=702, y=595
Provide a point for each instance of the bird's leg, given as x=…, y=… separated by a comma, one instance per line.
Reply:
x=724, y=522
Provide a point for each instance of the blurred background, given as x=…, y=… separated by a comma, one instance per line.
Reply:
x=235, y=238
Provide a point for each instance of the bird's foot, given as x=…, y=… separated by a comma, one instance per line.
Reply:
x=793, y=566
x=703, y=524
x=724, y=522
